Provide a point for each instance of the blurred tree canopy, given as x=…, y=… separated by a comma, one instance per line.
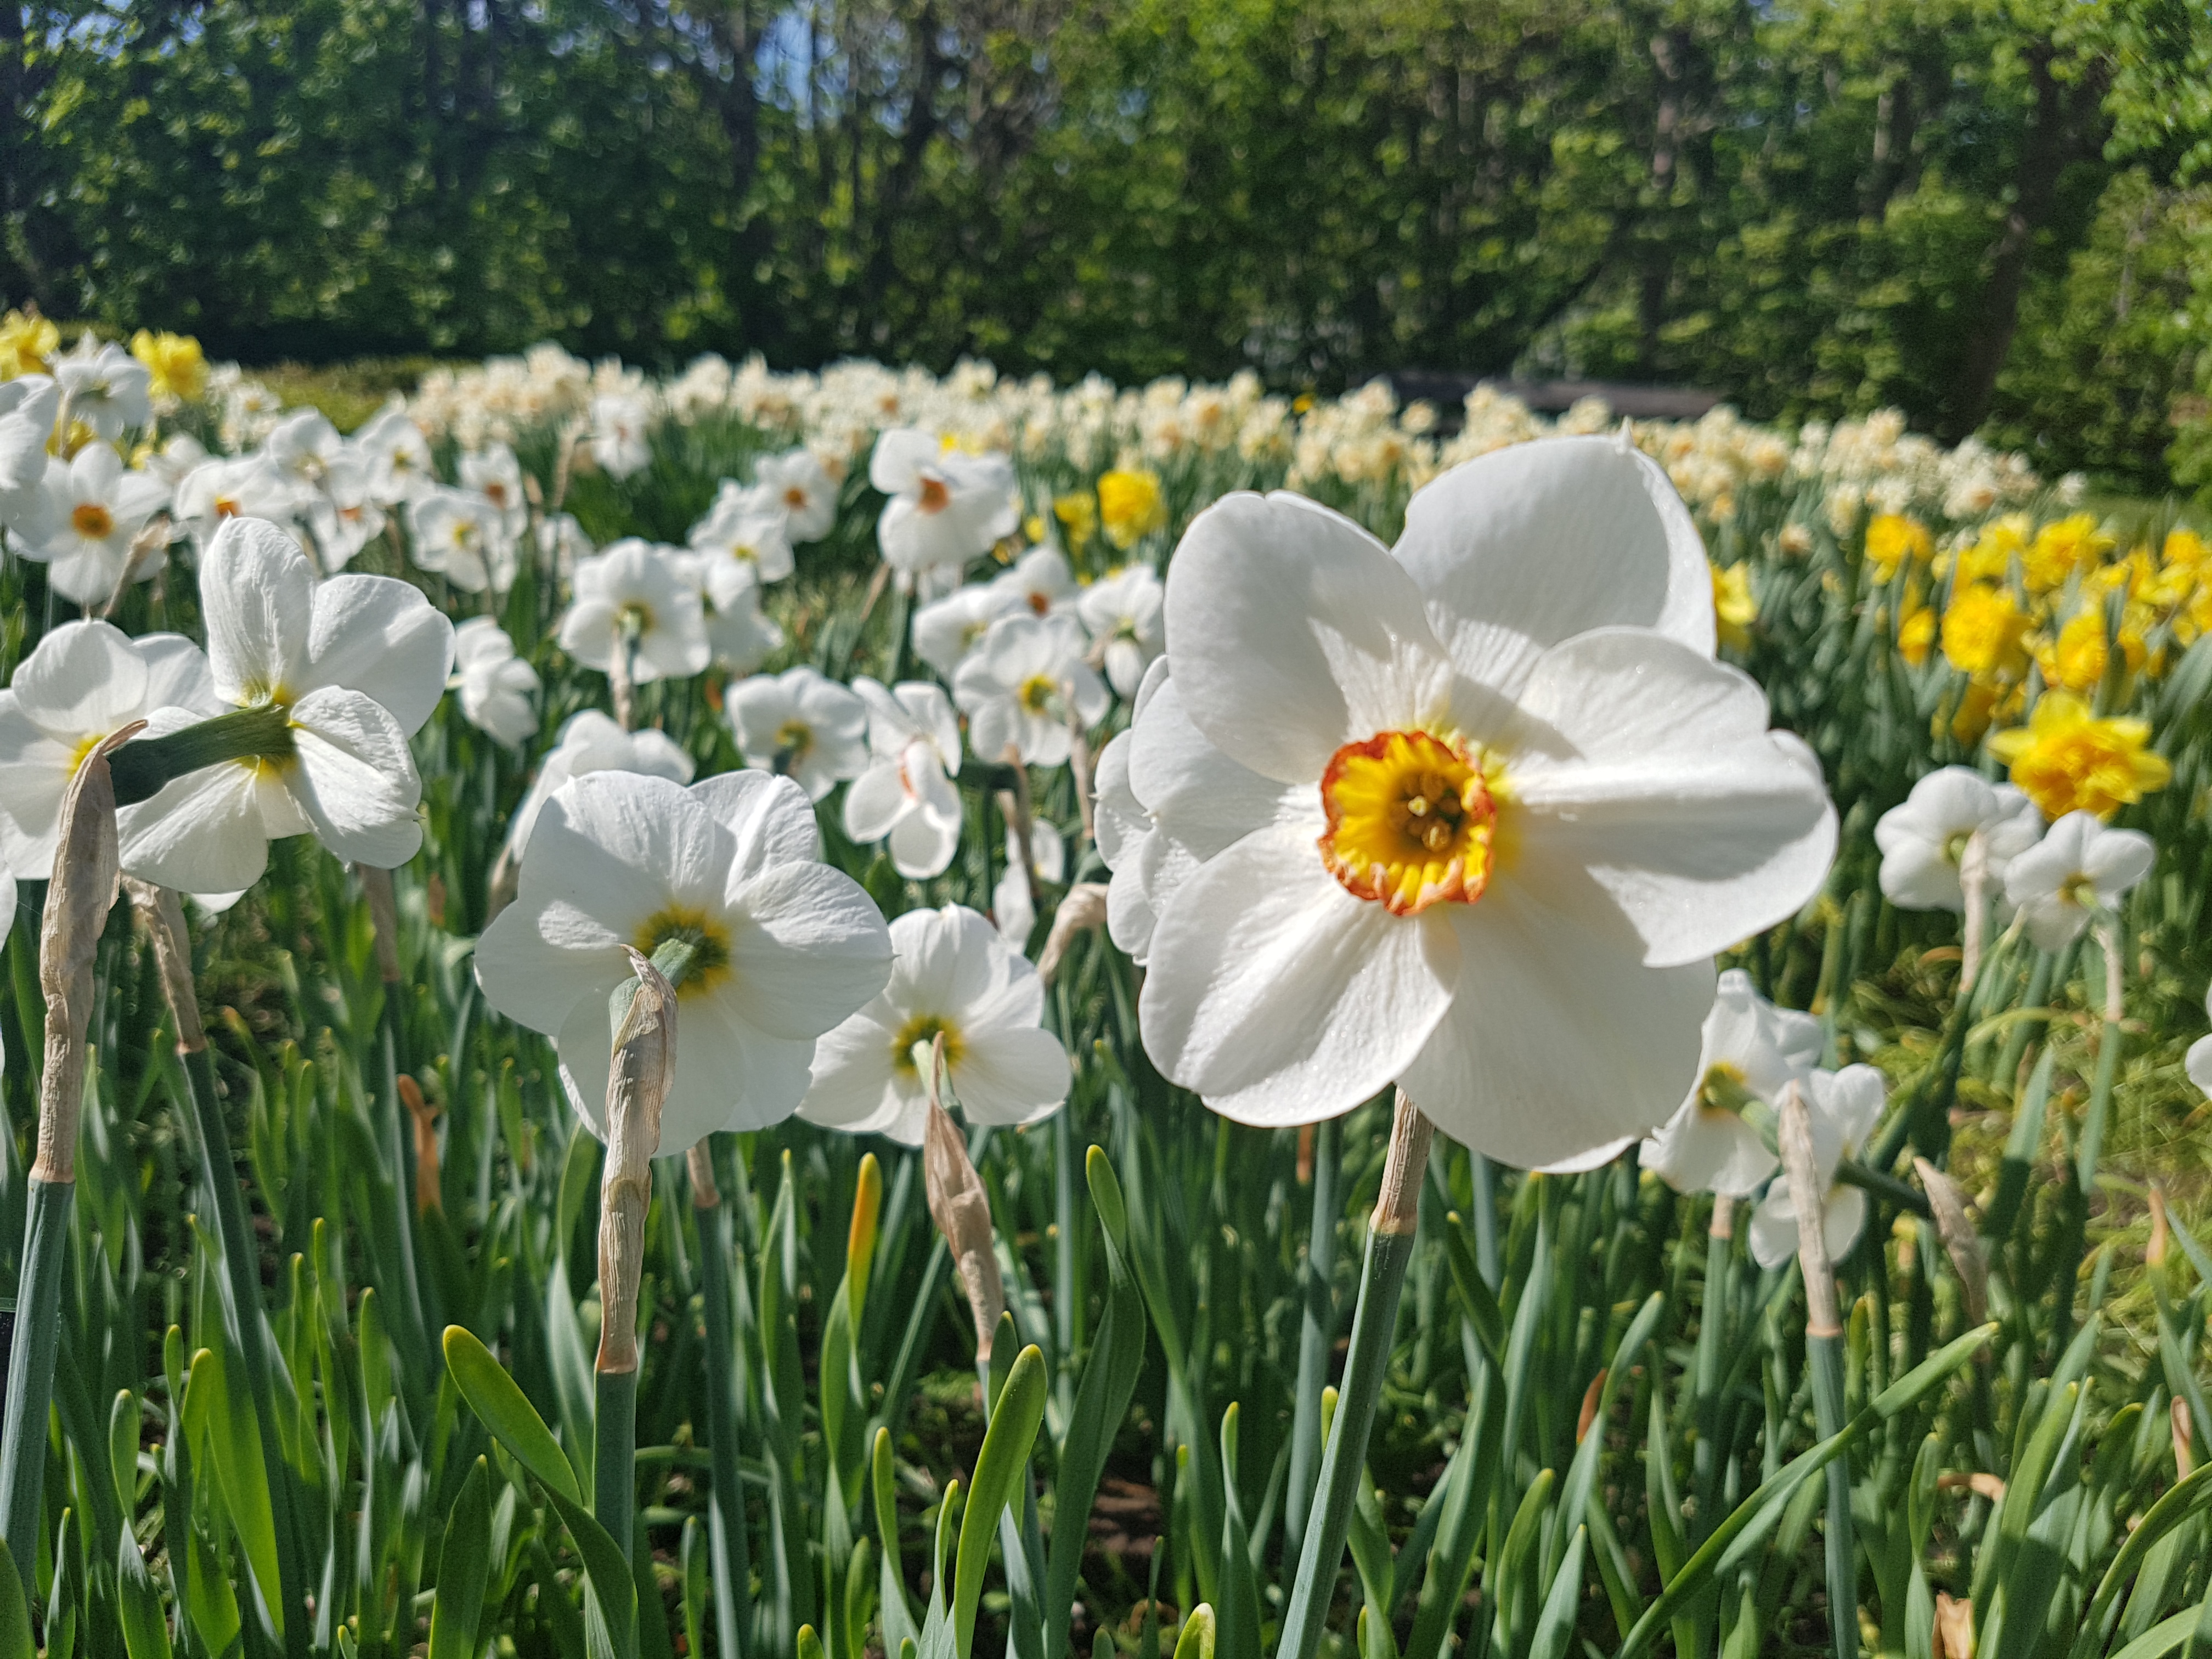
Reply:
x=1996, y=214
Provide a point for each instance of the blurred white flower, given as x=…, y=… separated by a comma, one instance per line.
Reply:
x=2198, y=1061
x=1751, y=1050
x=561, y=543
x=28, y=405
x=304, y=448
x=946, y=630
x=246, y=488
x=463, y=536
x=746, y=526
x=945, y=508
x=741, y=634
x=906, y=796
x=1842, y=1108
x=953, y=976
x=397, y=455
x=493, y=473
x=1039, y=582
x=619, y=425
x=591, y=741
x=82, y=528
x=786, y=948
x=83, y=681
x=1924, y=839
x=1124, y=612
x=1514, y=807
x=356, y=664
x=1020, y=687
x=494, y=685
x=802, y=486
x=104, y=386
x=801, y=724
x=642, y=596
x=2081, y=866
x=1011, y=904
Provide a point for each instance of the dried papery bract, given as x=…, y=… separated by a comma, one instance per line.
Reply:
x=1809, y=1196
x=1398, y=1205
x=163, y=914
x=428, y=1195
x=86, y=873
x=962, y=1211
x=1082, y=911
x=1974, y=883
x=1959, y=1236
x=384, y=914
x=644, y=1062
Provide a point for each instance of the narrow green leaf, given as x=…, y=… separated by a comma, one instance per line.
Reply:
x=1196, y=1641
x=145, y=1633
x=507, y=1412
x=463, y=1567
x=999, y=1469
x=1555, y=1627
x=15, y=1641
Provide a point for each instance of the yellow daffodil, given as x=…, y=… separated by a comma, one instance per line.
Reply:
x=1915, y=634
x=2061, y=549
x=1734, y=608
x=28, y=342
x=174, y=362
x=1983, y=628
x=1130, y=505
x=2066, y=760
x=2185, y=549
x=1892, y=538
x=1079, y=517
x=1987, y=558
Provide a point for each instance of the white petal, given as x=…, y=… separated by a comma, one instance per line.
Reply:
x=177, y=674
x=1653, y=769
x=1293, y=632
x=1559, y=1039
x=382, y=637
x=852, y=1075
x=202, y=834
x=1843, y=1218
x=808, y=948
x=1774, y=1229
x=84, y=679
x=1530, y=546
x=2199, y=1064
x=354, y=779
x=1703, y=1150
x=876, y=800
x=768, y=820
x=1013, y=1075
x=538, y=955
x=922, y=845
x=1281, y=997
x=257, y=598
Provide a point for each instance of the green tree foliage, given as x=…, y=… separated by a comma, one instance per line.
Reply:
x=1986, y=211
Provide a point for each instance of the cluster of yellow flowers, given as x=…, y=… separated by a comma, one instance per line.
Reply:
x=176, y=368
x=2053, y=628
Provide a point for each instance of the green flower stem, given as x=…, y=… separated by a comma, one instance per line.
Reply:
x=2094, y=1119
x=31, y=1373
x=1824, y=1353
x=1314, y=1330
x=242, y=1316
x=1390, y=1247
x=727, y=1537
x=614, y=1452
x=144, y=766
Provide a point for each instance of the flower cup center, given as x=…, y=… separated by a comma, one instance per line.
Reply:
x=226, y=506
x=793, y=739
x=795, y=498
x=1410, y=821
x=917, y=1031
x=709, y=939
x=93, y=520
x=2079, y=891
x=634, y=621
x=1037, y=692
x=1721, y=1091
x=935, y=496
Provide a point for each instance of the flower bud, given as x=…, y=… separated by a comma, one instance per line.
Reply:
x=1083, y=910
x=962, y=1212
x=1948, y=1205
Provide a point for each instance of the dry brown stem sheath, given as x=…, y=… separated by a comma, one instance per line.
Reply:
x=384, y=916
x=1082, y=909
x=637, y=1083
x=1722, y=1225
x=699, y=1166
x=163, y=914
x=1960, y=1239
x=83, y=888
x=1398, y=1205
x=962, y=1210
x=1809, y=1198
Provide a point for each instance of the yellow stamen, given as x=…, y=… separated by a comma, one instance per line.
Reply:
x=1410, y=821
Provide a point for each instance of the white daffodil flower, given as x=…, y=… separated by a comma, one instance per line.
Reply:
x=81, y=532
x=562, y=545
x=945, y=508
x=1129, y=838
x=1489, y=806
x=946, y=630
x=397, y=455
x=906, y=798
x=619, y=425
x=462, y=535
x=304, y=447
x=801, y=724
x=1038, y=582
x=82, y=682
x=1924, y=839
x=953, y=976
x=1011, y=903
x=1123, y=611
x=1019, y=688
x=28, y=405
x=2081, y=866
x=217, y=491
x=741, y=634
x=494, y=685
x=591, y=741
x=178, y=455
x=802, y=487
x=640, y=595
x=493, y=473
x=784, y=948
x=354, y=665
x=746, y=526
x=1842, y=1109
x=342, y=517
x=105, y=386
x=1751, y=1050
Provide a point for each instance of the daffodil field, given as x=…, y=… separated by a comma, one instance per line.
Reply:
x=813, y=1015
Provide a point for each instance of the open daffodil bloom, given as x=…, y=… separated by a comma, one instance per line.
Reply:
x=1471, y=815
